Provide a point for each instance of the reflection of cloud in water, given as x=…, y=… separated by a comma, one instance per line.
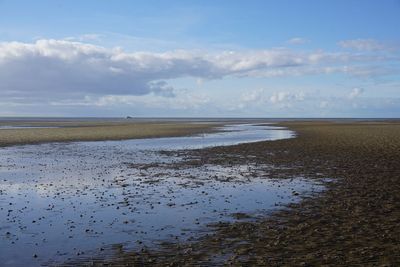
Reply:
x=69, y=198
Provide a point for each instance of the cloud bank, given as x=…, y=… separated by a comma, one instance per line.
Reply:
x=59, y=67
x=68, y=73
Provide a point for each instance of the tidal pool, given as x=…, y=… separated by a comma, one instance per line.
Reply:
x=62, y=201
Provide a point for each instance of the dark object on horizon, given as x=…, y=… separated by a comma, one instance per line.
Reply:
x=129, y=117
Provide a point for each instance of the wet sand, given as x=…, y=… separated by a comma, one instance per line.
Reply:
x=31, y=132
x=354, y=222
x=69, y=201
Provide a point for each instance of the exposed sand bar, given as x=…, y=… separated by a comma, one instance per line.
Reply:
x=63, y=131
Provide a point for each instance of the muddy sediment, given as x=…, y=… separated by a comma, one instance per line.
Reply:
x=354, y=222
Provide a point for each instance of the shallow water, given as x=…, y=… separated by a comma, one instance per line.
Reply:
x=63, y=201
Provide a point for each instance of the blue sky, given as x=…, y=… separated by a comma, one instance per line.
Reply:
x=200, y=58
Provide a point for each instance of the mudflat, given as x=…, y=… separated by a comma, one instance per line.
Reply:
x=62, y=131
x=353, y=222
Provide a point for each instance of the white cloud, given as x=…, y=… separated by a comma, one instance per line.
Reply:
x=356, y=92
x=254, y=96
x=297, y=41
x=363, y=44
x=323, y=104
x=279, y=97
x=183, y=101
x=59, y=70
x=262, y=99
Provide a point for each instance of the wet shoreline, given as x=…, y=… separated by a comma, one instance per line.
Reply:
x=61, y=201
x=354, y=221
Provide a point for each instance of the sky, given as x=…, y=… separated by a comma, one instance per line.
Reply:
x=217, y=58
